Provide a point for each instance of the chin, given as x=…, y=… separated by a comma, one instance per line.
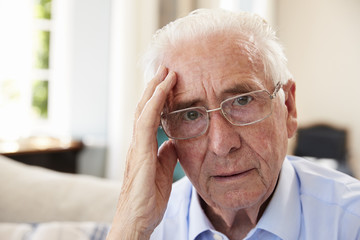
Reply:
x=237, y=199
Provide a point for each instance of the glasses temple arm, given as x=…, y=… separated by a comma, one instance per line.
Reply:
x=277, y=88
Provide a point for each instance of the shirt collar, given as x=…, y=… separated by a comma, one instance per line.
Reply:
x=198, y=221
x=282, y=216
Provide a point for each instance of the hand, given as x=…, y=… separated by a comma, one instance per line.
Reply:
x=148, y=175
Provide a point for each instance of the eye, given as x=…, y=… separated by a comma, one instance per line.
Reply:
x=243, y=100
x=191, y=115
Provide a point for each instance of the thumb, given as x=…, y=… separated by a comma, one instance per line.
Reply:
x=167, y=157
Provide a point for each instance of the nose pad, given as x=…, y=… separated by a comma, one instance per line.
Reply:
x=223, y=136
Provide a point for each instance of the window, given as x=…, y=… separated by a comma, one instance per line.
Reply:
x=25, y=29
x=41, y=48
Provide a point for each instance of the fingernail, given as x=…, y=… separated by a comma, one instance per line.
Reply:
x=170, y=74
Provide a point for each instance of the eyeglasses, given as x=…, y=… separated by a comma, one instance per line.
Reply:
x=240, y=110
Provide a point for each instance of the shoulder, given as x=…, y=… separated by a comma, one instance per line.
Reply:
x=330, y=187
x=329, y=202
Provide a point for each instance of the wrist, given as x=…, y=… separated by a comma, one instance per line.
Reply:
x=126, y=233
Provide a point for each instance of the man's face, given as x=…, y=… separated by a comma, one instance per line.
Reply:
x=232, y=167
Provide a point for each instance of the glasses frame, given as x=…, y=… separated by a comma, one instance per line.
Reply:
x=278, y=86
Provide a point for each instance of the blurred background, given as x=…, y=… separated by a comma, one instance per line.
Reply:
x=70, y=76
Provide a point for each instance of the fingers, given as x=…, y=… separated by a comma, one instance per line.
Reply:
x=167, y=158
x=148, y=175
x=155, y=104
x=149, y=118
x=151, y=86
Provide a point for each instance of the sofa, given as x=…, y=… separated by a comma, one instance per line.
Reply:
x=38, y=203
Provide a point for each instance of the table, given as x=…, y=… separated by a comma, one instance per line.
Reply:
x=58, y=154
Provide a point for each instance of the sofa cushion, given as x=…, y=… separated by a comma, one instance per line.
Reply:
x=34, y=194
x=54, y=230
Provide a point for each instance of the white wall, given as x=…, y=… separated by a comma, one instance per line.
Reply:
x=80, y=73
x=322, y=43
x=80, y=61
x=91, y=31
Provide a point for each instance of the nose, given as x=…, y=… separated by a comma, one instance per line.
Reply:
x=222, y=135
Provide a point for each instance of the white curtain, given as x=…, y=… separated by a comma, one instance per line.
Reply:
x=132, y=25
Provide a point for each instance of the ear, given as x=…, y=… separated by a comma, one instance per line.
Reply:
x=291, y=122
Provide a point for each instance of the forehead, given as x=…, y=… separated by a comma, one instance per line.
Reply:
x=214, y=68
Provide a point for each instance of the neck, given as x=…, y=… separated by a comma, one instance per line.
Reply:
x=236, y=224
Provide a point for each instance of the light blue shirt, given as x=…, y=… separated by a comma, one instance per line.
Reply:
x=310, y=202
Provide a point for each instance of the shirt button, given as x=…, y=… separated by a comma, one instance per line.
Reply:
x=217, y=237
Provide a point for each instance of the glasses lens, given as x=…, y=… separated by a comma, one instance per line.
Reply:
x=247, y=108
x=240, y=110
x=185, y=123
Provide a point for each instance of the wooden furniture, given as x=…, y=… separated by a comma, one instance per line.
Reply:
x=52, y=153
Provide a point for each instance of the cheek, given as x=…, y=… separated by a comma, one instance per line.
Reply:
x=280, y=129
x=273, y=132
x=261, y=139
x=191, y=154
x=269, y=140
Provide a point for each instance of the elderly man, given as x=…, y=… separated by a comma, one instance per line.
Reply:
x=224, y=96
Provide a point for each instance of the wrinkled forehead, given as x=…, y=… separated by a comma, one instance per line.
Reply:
x=218, y=42
x=215, y=66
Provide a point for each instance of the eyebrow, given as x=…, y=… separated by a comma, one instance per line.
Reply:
x=241, y=88
x=186, y=104
x=236, y=89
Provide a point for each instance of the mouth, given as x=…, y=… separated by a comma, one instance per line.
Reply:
x=233, y=176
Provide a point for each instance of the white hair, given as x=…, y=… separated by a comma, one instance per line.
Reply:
x=204, y=22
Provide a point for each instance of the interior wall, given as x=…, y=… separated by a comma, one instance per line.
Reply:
x=90, y=61
x=78, y=101
x=321, y=39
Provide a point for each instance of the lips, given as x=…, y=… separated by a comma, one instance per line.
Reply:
x=233, y=175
